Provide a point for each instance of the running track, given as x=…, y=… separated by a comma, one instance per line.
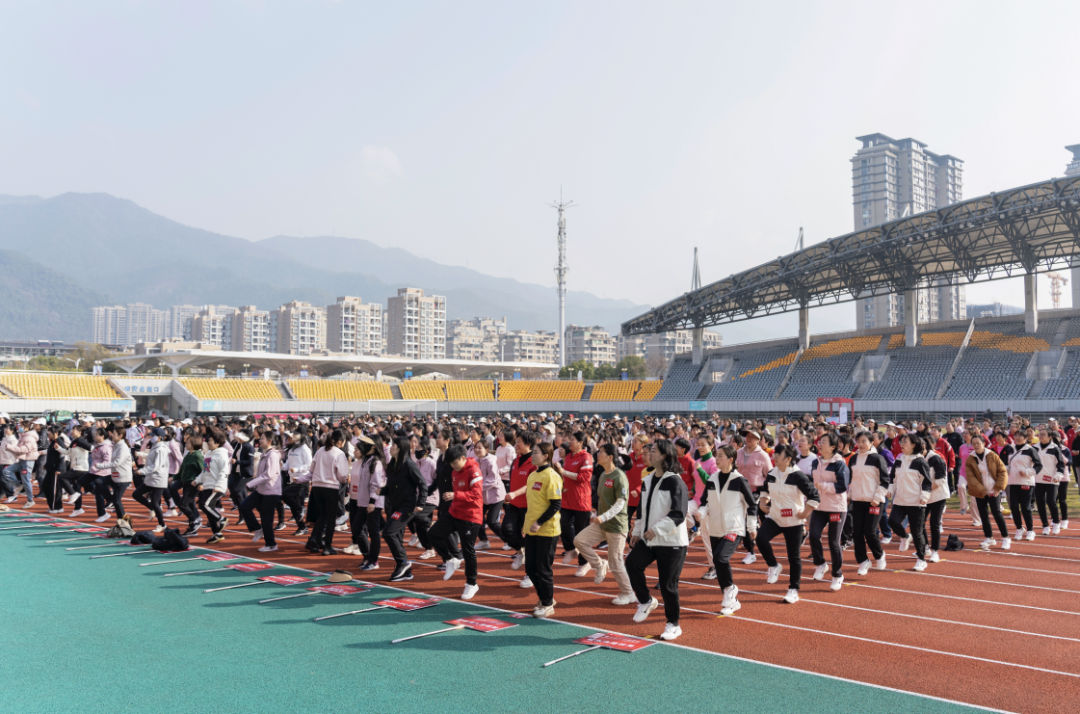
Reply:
x=997, y=629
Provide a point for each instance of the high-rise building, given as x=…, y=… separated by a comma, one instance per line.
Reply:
x=893, y=178
x=300, y=328
x=665, y=344
x=110, y=325
x=629, y=345
x=354, y=327
x=595, y=345
x=129, y=324
x=212, y=325
x=251, y=331
x=416, y=325
x=477, y=339
x=176, y=318
x=522, y=346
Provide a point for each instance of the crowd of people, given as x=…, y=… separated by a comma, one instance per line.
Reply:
x=617, y=494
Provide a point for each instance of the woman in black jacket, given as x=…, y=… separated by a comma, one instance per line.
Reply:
x=404, y=495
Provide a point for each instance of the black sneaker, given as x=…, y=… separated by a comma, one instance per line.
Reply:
x=300, y=531
x=281, y=527
x=224, y=523
x=402, y=572
x=441, y=567
x=192, y=529
x=313, y=547
x=216, y=538
x=328, y=551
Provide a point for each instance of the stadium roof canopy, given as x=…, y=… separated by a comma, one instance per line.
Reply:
x=1029, y=229
x=322, y=365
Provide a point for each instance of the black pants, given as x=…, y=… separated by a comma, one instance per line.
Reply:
x=326, y=503
x=421, y=525
x=371, y=542
x=151, y=498
x=934, y=512
x=847, y=535
x=210, y=504
x=108, y=491
x=492, y=511
x=916, y=516
x=83, y=484
x=237, y=489
x=184, y=495
x=294, y=496
x=1046, y=496
x=669, y=562
x=1020, y=505
x=71, y=481
x=50, y=488
x=722, y=550
x=511, y=526
x=864, y=529
x=440, y=532
x=394, y=535
x=539, y=557
x=1062, y=494
x=835, y=523
x=991, y=505
x=266, y=506
x=573, y=522
x=358, y=526
x=467, y=532
x=443, y=511
x=792, y=540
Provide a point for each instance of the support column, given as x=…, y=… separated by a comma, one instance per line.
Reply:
x=1031, y=310
x=698, y=349
x=804, y=328
x=911, y=318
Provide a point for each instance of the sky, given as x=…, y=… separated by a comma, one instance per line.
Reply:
x=447, y=128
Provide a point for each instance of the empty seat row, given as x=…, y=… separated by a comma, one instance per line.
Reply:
x=58, y=386
x=232, y=389
x=340, y=389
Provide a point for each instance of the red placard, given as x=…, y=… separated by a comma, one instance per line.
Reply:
x=481, y=624
x=622, y=643
x=249, y=567
x=37, y=520
x=215, y=557
x=91, y=530
x=340, y=589
x=61, y=525
x=408, y=604
x=285, y=579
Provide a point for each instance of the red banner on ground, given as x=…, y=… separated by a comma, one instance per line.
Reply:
x=249, y=567
x=408, y=604
x=481, y=624
x=285, y=579
x=340, y=589
x=215, y=557
x=622, y=643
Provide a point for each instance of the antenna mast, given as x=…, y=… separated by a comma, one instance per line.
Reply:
x=561, y=269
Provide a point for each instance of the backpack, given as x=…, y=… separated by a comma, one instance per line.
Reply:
x=170, y=541
x=142, y=538
x=954, y=543
x=122, y=529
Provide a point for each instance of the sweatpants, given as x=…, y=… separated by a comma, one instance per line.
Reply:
x=237, y=489
x=72, y=480
x=586, y=542
x=722, y=550
x=835, y=522
x=1020, y=505
x=326, y=503
x=1046, y=496
x=266, y=505
x=210, y=504
x=370, y=539
x=669, y=562
x=934, y=513
x=864, y=529
x=539, y=557
x=492, y=511
x=151, y=498
x=294, y=496
x=108, y=491
x=83, y=484
x=467, y=532
x=991, y=505
x=358, y=525
x=916, y=516
x=572, y=523
x=50, y=489
x=421, y=525
x=792, y=540
x=394, y=535
x=184, y=495
x=443, y=511
x=1062, y=494
x=511, y=526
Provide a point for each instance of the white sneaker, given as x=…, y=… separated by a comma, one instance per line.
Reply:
x=70, y=498
x=427, y=555
x=879, y=564
x=256, y=536
x=1046, y=531
x=819, y=573
x=864, y=567
x=517, y=561
x=990, y=542
x=11, y=499
x=414, y=541
x=836, y=583
x=920, y=565
x=507, y=546
x=905, y=543
x=750, y=559
x=1064, y=524
x=731, y=595
x=582, y=570
x=976, y=523
x=159, y=529
x=624, y=600
x=731, y=609
x=773, y=573
x=568, y=557
x=77, y=512
x=1030, y=536
x=1006, y=543
x=483, y=545
x=671, y=632
x=525, y=583
x=601, y=573
x=469, y=592
x=1019, y=535
x=55, y=510
x=102, y=519
x=1056, y=529
x=792, y=596
x=150, y=516
x=268, y=549
x=452, y=565
x=172, y=513
x=886, y=541
x=351, y=549
x=644, y=610
x=934, y=557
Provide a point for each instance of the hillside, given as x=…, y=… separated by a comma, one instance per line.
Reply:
x=41, y=304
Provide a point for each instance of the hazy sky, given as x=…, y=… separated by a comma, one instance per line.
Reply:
x=445, y=128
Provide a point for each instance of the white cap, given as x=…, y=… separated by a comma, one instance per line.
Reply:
x=40, y=421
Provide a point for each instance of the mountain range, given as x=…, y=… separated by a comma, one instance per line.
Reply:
x=62, y=256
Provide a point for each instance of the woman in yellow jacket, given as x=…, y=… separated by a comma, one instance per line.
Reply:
x=986, y=478
x=541, y=529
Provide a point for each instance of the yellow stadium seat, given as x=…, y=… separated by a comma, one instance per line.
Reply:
x=614, y=390
x=541, y=391
x=470, y=390
x=262, y=390
x=648, y=390
x=423, y=389
x=339, y=389
x=58, y=386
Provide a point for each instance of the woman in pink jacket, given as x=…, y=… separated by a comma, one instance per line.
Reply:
x=8, y=479
x=264, y=493
x=27, y=452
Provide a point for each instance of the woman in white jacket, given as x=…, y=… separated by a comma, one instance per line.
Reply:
x=910, y=489
x=155, y=476
x=1053, y=470
x=119, y=478
x=729, y=508
x=294, y=494
x=660, y=535
x=213, y=483
x=935, y=507
x=1024, y=464
x=869, y=487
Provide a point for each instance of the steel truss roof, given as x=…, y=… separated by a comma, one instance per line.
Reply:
x=1029, y=229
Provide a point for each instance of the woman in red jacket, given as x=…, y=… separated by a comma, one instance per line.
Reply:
x=465, y=517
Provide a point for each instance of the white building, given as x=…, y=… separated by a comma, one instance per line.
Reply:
x=354, y=327
x=416, y=325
